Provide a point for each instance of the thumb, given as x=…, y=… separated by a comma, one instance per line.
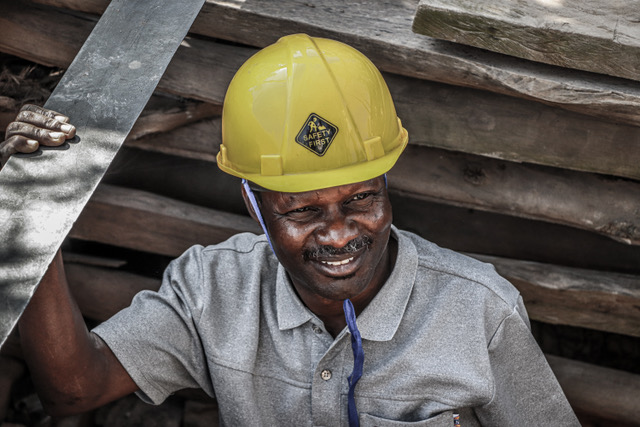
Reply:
x=16, y=144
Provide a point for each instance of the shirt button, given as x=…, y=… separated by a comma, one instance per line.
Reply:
x=317, y=329
x=325, y=375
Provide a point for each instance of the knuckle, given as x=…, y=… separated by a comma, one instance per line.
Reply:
x=12, y=128
x=52, y=124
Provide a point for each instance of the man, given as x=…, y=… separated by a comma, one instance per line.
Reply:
x=267, y=323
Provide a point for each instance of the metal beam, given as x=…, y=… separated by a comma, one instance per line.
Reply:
x=103, y=92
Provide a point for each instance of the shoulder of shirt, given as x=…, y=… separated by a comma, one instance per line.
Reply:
x=241, y=243
x=446, y=261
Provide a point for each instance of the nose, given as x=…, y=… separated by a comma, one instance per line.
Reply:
x=336, y=230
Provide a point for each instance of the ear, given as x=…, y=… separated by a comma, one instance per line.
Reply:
x=247, y=203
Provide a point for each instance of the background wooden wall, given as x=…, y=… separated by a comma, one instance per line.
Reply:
x=531, y=166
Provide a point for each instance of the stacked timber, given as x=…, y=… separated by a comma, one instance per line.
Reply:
x=531, y=166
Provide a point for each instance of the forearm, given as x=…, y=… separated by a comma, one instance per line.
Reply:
x=68, y=364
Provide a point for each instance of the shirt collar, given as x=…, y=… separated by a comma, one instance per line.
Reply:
x=291, y=311
x=379, y=321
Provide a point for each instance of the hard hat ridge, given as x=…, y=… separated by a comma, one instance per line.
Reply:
x=308, y=113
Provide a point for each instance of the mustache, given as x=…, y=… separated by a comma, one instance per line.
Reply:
x=326, y=251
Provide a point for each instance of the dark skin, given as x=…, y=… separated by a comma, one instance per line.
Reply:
x=34, y=126
x=299, y=223
x=75, y=371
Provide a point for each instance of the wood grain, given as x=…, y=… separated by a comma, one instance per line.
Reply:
x=607, y=393
x=382, y=30
x=439, y=115
x=144, y=221
x=559, y=295
x=590, y=35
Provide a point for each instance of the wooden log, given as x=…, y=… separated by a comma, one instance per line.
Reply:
x=492, y=125
x=598, y=36
x=143, y=221
x=435, y=114
x=606, y=393
x=163, y=114
x=587, y=201
x=592, y=299
x=382, y=30
x=102, y=292
x=199, y=141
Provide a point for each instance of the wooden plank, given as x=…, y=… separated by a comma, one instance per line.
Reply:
x=435, y=114
x=587, y=201
x=104, y=89
x=596, y=35
x=592, y=299
x=382, y=30
x=144, y=221
x=163, y=114
x=488, y=124
x=102, y=292
x=606, y=393
x=198, y=141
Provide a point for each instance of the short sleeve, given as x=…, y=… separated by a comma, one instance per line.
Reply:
x=526, y=391
x=156, y=338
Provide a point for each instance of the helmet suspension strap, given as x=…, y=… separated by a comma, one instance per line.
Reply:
x=256, y=209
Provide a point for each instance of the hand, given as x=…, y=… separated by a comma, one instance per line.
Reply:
x=34, y=126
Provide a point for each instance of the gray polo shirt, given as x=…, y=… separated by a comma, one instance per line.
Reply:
x=445, y=335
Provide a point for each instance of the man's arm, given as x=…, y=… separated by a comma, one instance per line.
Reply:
x=73, y=369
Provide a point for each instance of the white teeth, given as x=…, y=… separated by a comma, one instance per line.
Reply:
x=343, y=262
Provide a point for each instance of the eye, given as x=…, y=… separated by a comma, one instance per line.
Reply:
x=300, y=210
x=360, y=196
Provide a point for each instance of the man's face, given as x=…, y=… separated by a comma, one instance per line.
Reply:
x=332, y=242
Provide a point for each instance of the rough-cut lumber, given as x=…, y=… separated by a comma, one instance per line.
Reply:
x=200, y=141
x=591, y=299
x=439, y=115
x=492, y=125
x=163, y=114
x=382, y=30
x=594, y=35
x=588, y=201
x=606, y=393
x=102, y=292
x=143, y=221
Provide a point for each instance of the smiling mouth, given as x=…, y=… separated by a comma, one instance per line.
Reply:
x=337, y=263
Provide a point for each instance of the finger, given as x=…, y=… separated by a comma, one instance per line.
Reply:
x=16, y=144
x=45, y=112
x=43, y=136
x=46, y=122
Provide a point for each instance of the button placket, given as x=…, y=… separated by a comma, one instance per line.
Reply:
x=327, y=385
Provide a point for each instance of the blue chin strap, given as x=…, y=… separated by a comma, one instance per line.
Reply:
x=358, y=361
x=256, y=210
x=349, y=314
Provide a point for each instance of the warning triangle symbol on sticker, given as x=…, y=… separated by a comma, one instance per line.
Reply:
x=317, y=134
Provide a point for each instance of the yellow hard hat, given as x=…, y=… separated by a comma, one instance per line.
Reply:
x=308, y=113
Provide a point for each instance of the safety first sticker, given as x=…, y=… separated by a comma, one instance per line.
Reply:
x=317, y=134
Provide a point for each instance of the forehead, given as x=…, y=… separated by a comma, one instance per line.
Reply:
x=324, y=195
